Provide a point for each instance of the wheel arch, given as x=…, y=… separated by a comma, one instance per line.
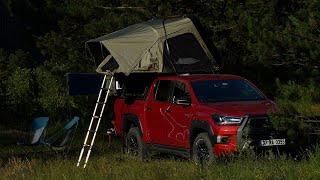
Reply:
x=200, y=126
x=131, y=120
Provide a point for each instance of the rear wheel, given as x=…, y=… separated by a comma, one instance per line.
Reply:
x=134, y=143
x=202, y=152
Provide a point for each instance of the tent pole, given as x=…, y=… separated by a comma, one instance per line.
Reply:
x=101, y=50
x=87, y=48
x=167, y=46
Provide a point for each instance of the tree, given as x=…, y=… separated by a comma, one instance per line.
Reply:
x=20, y=92
x=257, y=39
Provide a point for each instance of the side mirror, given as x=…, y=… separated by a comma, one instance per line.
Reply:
x=182, y=101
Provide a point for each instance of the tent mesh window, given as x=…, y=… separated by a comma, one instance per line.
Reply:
x=186, y=55
x=111, y=65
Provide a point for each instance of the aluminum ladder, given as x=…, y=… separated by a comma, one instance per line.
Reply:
x=95, y=121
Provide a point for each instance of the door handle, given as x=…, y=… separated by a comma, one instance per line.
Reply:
x=168, y=110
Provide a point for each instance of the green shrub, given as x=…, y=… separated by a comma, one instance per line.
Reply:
x=20, y=91
x=296, y=103
x=298, y=99
x=51, y=96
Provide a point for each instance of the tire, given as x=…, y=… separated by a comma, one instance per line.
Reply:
x=202, y=152
x=134, y=144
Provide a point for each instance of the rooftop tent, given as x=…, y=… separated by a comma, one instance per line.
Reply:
x=142, y=48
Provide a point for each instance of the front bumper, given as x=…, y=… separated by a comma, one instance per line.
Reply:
x=224, y=149
x=253, y=129
x=249, y=134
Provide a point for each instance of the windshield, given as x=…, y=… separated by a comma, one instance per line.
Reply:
x=225, y=90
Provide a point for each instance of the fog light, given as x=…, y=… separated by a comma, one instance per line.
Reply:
x=222, y=139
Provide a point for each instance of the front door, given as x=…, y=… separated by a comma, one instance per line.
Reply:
x=180, y=116
x=156, y=110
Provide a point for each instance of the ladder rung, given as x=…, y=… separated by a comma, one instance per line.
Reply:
x=86, y=145
x=92, y=131
x=96, y=117
x=101, y=103
x=105, y=89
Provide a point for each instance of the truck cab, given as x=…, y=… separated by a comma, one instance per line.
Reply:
x=198, y=116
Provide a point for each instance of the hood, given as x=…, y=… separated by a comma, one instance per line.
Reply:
x=242, y=108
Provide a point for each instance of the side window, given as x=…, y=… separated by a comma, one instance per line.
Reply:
x=163, y=90
x=138, y=92
x=180, y=91
x=136, y=89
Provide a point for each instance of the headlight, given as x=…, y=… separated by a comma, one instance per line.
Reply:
x=226, y=120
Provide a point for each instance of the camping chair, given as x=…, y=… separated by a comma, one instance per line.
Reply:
x=61, y=139
x=36, y=132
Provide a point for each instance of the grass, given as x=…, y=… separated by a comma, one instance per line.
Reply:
x=110, y=163
x=33, y=162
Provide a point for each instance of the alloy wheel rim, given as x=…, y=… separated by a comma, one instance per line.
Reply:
x=203, y=152
x=133, y=146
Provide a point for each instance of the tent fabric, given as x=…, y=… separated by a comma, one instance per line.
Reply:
x=140, y=47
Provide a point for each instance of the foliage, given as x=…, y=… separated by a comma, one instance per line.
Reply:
x=3, y=70
x=52, y=97
x=20, y=91
x=296, y=103
x=259, y=40
x=298, y=99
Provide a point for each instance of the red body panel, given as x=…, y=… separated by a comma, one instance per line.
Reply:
x=169, y=124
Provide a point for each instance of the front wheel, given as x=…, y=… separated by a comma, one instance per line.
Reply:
x=134, y=143
x=202, y=152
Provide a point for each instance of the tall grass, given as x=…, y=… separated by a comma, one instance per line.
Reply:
x=112, y=164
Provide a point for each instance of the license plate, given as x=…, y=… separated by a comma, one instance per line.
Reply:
x=273, y=142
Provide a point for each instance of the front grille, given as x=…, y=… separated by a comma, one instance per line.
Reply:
x=259, y=127
x=254, y=129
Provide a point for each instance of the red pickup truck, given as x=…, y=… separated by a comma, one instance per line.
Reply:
x=197, y=116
